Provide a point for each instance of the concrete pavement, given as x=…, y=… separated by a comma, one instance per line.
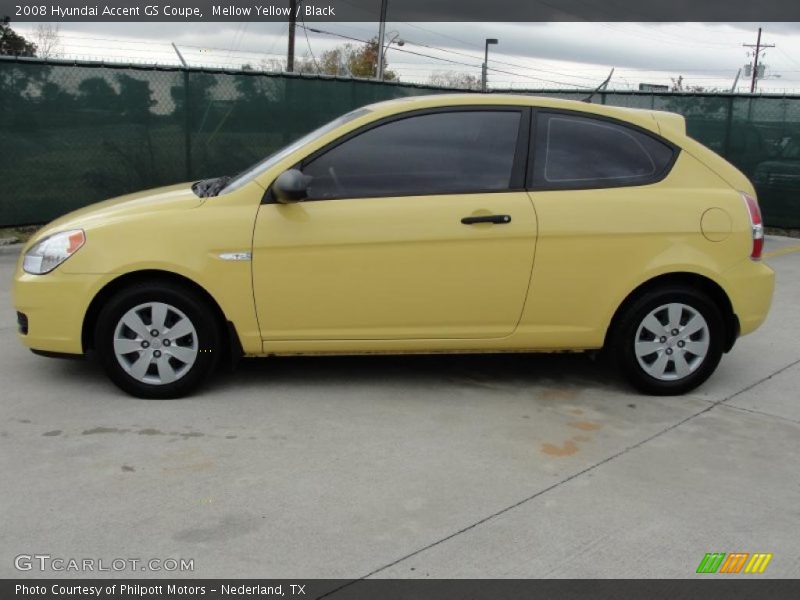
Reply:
x=462, y=466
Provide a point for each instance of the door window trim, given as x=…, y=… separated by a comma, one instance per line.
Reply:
x=596, y=184
x=518, y=168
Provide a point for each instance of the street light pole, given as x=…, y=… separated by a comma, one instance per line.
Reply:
x=381, y=34
x=485, y=69
x=382, y=51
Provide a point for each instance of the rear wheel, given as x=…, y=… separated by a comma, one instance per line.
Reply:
x=157, y=340
x=669, y=340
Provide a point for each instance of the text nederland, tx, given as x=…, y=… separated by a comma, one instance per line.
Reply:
x=125, y=589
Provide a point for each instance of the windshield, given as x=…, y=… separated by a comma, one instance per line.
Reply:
x=260, y=167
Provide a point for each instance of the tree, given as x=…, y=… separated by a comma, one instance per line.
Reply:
x=679, y=86
x=19, y=86
x=48, y=40
x=270, y=64
x=707, y=104
x=455, y=80
x=54, y=98
x=135, y=98
x=199, y=95
x=96, y=93
x=254, y=92
x=12, y=43
x=308, y=64
x=348, y=60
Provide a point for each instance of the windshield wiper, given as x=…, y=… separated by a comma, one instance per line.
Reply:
x=207, y=188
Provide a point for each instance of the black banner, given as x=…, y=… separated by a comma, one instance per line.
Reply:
x=403, y=10
x=705, y=588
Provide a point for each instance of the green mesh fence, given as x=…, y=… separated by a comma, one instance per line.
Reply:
x=73, y=134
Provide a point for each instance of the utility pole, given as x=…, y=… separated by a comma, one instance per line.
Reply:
x=759, y=48
x=381, y=34
x=292, y=25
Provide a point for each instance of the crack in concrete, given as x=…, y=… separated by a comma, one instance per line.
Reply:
x=566, y=479
x=762, y=413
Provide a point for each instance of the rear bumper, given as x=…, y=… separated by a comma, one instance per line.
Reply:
x=750, y=286
x=52, y=307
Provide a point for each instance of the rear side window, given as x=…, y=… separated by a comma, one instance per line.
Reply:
x=576, y=152
x=433, y=153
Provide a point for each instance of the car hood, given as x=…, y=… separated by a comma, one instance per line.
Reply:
x=178, y=196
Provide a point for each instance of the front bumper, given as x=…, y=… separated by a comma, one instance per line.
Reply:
x=53, y=308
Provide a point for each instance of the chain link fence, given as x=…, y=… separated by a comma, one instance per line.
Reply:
x=75, y=133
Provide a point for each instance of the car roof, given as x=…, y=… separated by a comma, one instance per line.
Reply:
x=647, y=119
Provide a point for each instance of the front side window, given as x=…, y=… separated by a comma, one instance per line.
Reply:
x=270, y=161
x=433, y=153
x=577, y=152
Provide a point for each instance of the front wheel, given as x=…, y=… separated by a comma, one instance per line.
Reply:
x=157, y=340
x=669, y=340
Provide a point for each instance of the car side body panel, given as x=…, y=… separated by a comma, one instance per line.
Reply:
x=596, y=246
x=179, y=236
x=392, y=268
x=574, y=255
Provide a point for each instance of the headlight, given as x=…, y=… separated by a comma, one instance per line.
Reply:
x=50, y=252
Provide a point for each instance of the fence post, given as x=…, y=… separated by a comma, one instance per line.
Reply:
x=187, y=122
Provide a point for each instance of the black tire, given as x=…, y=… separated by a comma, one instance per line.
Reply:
x=207, y=346
x=626, y=332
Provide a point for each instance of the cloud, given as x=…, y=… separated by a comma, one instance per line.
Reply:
x=576, y=53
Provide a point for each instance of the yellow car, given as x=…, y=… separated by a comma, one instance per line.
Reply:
x=449, y=223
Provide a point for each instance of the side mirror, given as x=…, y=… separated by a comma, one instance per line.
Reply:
x=291, y=186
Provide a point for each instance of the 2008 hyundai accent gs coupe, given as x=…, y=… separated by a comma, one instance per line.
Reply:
x=431, y=224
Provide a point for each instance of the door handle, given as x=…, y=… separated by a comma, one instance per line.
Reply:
x=496, y=219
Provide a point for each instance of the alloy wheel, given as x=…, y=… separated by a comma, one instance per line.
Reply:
x=155, y=343
x=672, y=341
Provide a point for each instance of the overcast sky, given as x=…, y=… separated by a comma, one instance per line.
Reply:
x=529, y=55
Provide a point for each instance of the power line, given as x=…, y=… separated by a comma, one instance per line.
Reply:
x=499, y=62
x=116, y=48
x=308, y=42
x=204, y=47
x=496, y=61
x=664, y=37
x=229, y=50
x=440, y=34
x=450, y=51
x=439, y=58
x=790, y=58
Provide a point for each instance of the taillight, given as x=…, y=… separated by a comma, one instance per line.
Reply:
x=756, y=225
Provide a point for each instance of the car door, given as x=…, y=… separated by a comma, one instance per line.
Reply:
x=415, y=227
x=603, y=217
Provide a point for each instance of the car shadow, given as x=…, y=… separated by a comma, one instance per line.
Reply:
x=479, y=370
x=490, y=372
